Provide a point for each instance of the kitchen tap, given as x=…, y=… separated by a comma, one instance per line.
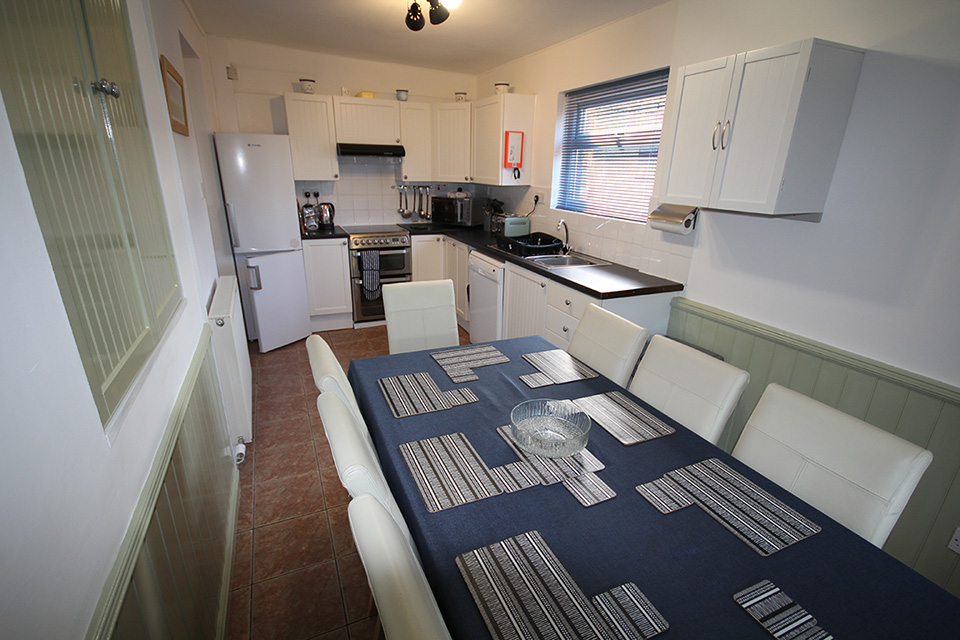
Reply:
x=566, y=235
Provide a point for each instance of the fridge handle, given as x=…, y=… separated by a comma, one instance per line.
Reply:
x=256, y=269
x=232, y=223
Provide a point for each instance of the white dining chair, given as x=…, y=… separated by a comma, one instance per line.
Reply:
x=420, y=315
x=355, y=458
x=695, y=389
x=329, y=376
x=607, y=343
x=405, y=602
x=856, y=473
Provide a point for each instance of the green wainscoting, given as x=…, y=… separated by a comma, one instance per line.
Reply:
x=171, y=579
x=915, y=408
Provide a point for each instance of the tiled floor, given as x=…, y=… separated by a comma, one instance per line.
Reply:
x=296, y=572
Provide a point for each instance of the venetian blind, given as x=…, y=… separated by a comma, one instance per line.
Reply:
x=610, y=140
x=90, y=170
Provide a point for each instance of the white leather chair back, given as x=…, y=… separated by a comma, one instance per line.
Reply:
x=420, y=315
x=607, y=343
x=405, y=602
x=695, y=389
x=354, y=456
x=328, y=375
x=856, y=473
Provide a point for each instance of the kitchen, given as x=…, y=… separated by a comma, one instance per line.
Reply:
x=873, y=277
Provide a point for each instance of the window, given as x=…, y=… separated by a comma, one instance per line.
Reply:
x=610, y=140
x=90, y=170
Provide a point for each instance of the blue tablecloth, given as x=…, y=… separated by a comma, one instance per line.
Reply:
x=687, y=563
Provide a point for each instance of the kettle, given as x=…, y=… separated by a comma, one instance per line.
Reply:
x=325, y=211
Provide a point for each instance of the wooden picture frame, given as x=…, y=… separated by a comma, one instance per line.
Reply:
x=176, y=98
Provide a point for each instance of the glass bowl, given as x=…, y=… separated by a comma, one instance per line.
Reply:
x=551, y=428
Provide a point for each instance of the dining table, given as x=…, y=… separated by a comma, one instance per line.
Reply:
x=689, y=568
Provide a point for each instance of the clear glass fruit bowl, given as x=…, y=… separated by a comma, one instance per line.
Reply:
x=551, y=428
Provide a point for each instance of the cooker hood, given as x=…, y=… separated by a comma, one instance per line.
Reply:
x=370, y=150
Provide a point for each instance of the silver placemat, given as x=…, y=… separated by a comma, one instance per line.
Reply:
x=460, y=363
x=448, y=471
x=415, y=393
x=557, y=366
x=553, y=470
x=623, y=418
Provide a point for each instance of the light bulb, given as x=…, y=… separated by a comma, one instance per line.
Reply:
x=451, y=4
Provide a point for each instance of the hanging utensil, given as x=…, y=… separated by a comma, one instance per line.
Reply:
x=407, y=211
x=400, y=193
x=421, y=210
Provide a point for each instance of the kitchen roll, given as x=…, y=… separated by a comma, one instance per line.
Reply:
x=673, y=219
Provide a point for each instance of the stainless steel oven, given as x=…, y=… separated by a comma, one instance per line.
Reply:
x=378, y=255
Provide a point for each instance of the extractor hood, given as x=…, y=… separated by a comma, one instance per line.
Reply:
x=370, y=150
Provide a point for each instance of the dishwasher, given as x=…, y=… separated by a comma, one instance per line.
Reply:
x=485, y=298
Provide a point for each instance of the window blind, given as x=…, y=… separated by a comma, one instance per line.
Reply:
x=609, y=145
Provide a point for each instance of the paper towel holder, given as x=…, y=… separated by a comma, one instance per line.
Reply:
x=673, y=218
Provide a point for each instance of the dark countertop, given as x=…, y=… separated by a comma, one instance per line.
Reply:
x=600, y=281
x=323, y=234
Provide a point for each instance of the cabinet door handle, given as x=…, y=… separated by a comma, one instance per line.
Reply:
x=566, y=302
x=344, y=243
x=714, y=139
x=566, y=329
x=543, y=285
x=256, y=271
x=723, y=135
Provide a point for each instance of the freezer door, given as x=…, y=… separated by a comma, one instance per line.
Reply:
x=258, y=190
x=278, y=288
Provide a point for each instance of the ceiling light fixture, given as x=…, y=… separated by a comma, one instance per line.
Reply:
x=438, y=13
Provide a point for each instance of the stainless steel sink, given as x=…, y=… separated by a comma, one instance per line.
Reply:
x=568, y=260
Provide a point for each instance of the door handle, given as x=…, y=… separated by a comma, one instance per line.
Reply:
x=723, y=135
x=232, y=226
x=714, y=138
x=256, y=270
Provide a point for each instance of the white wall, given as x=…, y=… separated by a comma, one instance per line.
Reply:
x=68, y=492
x=878, y=275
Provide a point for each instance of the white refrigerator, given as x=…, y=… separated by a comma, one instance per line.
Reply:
x=259, y=194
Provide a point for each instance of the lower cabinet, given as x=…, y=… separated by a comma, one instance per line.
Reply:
x=535, y=305
x=427, y=257
x=328, y=276
x=524, y=302
x=457, y=268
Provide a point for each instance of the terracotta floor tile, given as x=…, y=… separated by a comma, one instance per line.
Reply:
x=316, y=427
x=290, y=545
x=242, y=560
x=357, y=600
x=276, y=372
x=343, y=543
x=324, y=456
x=298, y=605
x=270, y=433
x=281, y=387
x=339, y=634
x=284, y=409
x=283, y=460
x=366, y=630
x=333, y=492
x=245, y=509
x=246, y=468
x=238, y=620
x=287, y=498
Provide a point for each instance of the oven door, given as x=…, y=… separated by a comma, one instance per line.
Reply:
x=365, y=308
x=393, y=262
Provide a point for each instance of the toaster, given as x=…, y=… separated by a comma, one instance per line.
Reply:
x=516, y=226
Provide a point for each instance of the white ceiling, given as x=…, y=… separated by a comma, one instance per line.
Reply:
x=478, y=36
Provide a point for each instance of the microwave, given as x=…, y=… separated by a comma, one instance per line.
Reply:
x=462, y=212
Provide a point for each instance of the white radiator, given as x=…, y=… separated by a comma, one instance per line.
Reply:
x=233, y=359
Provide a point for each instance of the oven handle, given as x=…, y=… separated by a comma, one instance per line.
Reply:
x=382, y=251
x=388, y=280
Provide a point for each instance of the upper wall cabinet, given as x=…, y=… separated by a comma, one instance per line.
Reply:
x=451, y=142
x=312, y=136
x=493, y=118
x=367, y=120
x=415, y=136
x=760, y=132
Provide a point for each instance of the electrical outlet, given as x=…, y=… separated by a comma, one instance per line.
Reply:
x=954, y=544
x=537, y=197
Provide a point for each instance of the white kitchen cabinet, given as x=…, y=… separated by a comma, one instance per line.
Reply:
x=328, y=276
x=367, y=120
x=415, y=135
x=524, y=302
x=456, y=258
x=760, y=132
x=452, y=142
x=313, y=137
x=492, y=118
x=428, y=257
x=565, y=307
